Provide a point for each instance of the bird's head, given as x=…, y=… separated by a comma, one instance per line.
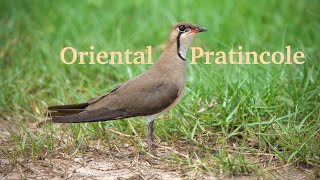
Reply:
x=182, y=35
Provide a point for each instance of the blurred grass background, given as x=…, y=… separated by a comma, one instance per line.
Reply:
x=272, y=109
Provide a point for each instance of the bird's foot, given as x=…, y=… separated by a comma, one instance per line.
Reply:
x=152, y=149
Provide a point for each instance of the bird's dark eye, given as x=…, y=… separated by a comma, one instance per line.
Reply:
x=182, y=28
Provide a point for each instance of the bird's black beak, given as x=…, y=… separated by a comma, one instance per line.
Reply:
x=201, y=29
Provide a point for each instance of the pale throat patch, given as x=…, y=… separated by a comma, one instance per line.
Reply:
x=185, y=41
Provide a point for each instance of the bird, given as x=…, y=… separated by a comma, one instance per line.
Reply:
x=148, y=95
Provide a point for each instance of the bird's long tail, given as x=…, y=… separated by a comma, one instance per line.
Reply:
x=56, y=112
x=77, y=113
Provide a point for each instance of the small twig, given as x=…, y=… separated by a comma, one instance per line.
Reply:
x=247, y=153
x=117, y=132
x=174, y=151
x=210, y=106
x=275, y=168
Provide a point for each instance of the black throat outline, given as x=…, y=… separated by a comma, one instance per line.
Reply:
x=178, y=46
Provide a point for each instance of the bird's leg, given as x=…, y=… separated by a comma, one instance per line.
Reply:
x=150, y=139
x=150, y=136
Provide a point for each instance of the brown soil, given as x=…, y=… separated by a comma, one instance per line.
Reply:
x=126, y=163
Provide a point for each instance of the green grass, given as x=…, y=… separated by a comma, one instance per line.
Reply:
x=260, y=109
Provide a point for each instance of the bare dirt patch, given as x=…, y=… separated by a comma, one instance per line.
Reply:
x=118, y=163
x=91, y=163
x=62, y=167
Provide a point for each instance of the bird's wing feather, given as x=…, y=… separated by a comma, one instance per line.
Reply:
x=102, y=114
x=70, y=106
x=140, y=96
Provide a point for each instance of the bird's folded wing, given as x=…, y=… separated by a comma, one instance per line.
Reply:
x=139, y=97
x=144, y=96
